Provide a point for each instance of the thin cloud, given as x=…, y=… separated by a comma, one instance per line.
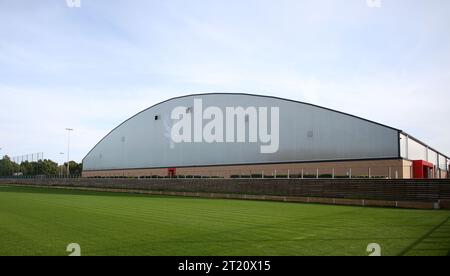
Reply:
x=92, y=68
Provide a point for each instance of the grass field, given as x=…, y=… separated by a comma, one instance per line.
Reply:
x=37, y=221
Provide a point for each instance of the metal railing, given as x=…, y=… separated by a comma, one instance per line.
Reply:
x=356, y=172
x=297, y=172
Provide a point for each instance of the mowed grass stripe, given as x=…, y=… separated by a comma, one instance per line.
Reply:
x=43, y=221
x=206, y=215
x=162, y=216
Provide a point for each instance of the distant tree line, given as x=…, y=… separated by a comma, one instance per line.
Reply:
x=44, y=167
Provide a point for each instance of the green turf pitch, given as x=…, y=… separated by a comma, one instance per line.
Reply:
x=44, y=221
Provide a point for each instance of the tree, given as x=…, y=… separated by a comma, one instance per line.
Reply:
x=47, y=167
x=27, y=168
x=42, y=167
x=7, y=167
x=75, y=168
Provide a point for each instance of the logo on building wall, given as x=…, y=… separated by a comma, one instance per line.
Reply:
x=212, y=124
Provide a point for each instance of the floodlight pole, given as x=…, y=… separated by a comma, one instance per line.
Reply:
x=62, y=164
x=68, y=150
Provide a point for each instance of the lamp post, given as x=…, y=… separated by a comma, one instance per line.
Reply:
x=68, y=150
x=62, y=164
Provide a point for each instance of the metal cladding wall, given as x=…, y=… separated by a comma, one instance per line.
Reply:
x=413, y=149
x=307, y=133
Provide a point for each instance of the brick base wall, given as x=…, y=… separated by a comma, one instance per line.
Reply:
x=390, y=168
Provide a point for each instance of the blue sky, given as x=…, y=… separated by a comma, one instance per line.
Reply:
x=90, y=68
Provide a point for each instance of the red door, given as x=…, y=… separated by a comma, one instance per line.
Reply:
x=172, y=172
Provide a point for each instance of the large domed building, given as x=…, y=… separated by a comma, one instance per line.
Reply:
x=233, y=135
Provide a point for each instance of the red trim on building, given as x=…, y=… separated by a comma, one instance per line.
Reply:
x=172, y=172
x=422, y=169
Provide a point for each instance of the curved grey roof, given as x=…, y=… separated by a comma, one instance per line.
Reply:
x=307, y=133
